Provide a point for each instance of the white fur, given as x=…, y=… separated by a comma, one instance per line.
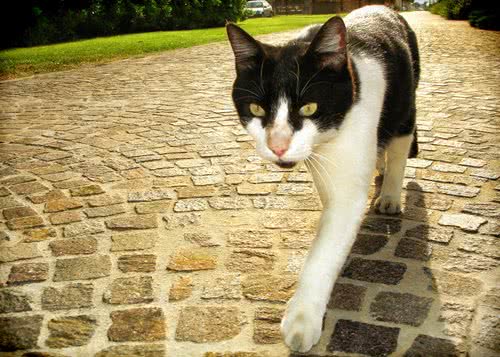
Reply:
x=281, y=118
x=342, y=174
x=301, y=142
x=389, y=200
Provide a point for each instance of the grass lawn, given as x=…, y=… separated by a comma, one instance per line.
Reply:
x=20, y=62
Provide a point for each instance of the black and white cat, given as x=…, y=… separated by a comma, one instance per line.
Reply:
x=341, y=97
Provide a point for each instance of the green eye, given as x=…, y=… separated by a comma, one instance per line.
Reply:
x=308, y=109
x=257, y=110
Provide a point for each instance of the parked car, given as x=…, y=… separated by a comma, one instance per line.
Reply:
x=259, y=8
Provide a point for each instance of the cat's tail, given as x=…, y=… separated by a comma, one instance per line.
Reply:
x=414, y=145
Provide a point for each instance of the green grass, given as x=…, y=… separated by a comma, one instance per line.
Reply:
x=20, y=62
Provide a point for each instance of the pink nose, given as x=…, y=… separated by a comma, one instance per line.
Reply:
x=279, y=151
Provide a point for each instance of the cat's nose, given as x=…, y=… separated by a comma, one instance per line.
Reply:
x=279, y=150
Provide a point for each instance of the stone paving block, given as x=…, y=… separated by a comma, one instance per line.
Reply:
x=466, y=222
x=367, y=244
x=208, y=324
x=25, y=222
x=452, y=284
x=28, y=273
x=133, y=241
x=487, y=209
x=104, y=211
x=431, y=233
x=181, y=289
x=73, y=246
x=413, y=249
x=18, y=252
x=6, y=202
x=83, y=268
x=18, y=212
x=65, y=217
x=425, y=345
x=141, y=324
x=227, y=286
x=13, y=180
x=70, y=331
x=296, y=239
x=137, y=263
x=133, y=222
x=132, y=290
x=19, y=333
x=488, y=331
x=14, y=301
x=267, y=287
x=151, y=195
x=189, y=259
x=250, y=239
x=229, y=203
x=28, y=188
x=399, y=308
x=83, y=228
x=62, y=204
x=88, y=190
x=456, y=318
x=347, y=297
x=357, y=337
x=375, y=271
x=250, y=260
x=71, y=296
x=133, y=351
x=381, y=225
x=202, y=239
x=191, y=204
x=267, y=325
x=105, y=200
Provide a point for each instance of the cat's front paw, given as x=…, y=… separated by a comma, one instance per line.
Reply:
x=388, y=204
x=301, y=325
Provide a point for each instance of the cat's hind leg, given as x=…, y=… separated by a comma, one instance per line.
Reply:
x=389, y=200
x=381, y=163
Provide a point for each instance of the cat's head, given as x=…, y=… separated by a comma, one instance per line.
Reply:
x=292, y=97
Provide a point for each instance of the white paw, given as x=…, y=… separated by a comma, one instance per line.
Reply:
x=388, y=204
x=301, y=325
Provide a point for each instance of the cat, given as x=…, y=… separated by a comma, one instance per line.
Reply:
x=341, y=98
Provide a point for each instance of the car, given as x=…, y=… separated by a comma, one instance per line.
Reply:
x=259, y=8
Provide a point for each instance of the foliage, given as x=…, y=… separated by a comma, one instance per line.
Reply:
x=452, y=9
x=20, y=62
x=480, y=13
x=39, y=22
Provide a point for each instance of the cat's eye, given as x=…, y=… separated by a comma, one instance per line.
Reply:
x=308, y=109
x=257, y=110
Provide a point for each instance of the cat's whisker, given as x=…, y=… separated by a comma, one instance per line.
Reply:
x=262, y=74
x=334, y=164
x=248, y=96
x=312, y=85
x=298, y=77
x=328, y=177
x=307, y=160
x=247, y=90
x=259, y=88
x=310, y=79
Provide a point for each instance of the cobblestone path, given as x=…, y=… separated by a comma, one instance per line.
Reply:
x=137, y=219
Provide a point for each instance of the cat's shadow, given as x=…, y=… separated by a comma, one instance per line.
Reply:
x=413, y=251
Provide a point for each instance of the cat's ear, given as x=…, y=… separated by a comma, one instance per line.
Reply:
x=247, y=51
x=329, y=45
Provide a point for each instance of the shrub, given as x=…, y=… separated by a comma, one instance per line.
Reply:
x=480, y=13
x=43, y=22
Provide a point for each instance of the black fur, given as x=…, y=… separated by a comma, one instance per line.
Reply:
x=375, y=31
